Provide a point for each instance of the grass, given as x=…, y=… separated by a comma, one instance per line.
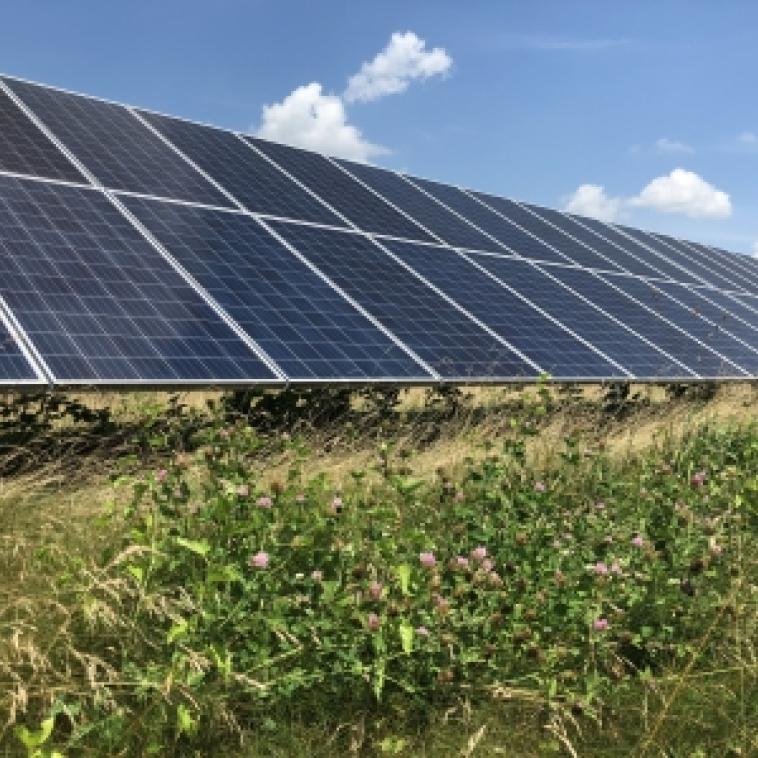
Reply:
x=703, y=702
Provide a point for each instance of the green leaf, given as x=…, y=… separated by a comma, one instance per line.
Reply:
x=403, y=572
x=199, y=547
x=227, y=573
x=185, y=724
x=406, y=637
x=176, y=631
x=33, y=739
x=137, y=572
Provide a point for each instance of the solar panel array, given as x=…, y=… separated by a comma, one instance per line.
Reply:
x=137, y=248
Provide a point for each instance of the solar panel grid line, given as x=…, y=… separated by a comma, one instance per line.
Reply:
x=724, y=267
x=705, y=318
x=432, y=235
x=463, y=218
x=670, y=323
x=25, y=345
x=731, y=259
x=531, y=209
x=190, y=280
x=460, y=308
x=548, y=316
x=339, y=290
x=294, y=179
x=706, y=270
x=750, y=303
x=729, y=263
x=171, y=146
x=44, y=179
x=474, y=195
x=542, y=268
x=746, y=261
x=579, y=221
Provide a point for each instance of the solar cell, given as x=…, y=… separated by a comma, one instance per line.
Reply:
x=99, y=302
x=14, y=366
x=427, y=211
x=295, y=316
x=516, y=240
x=731, y=304
x=612, y=338
x=341, y=192
x=729, y=262
x=251, y=179
x=454, y=345
x=115, y=147
x=730, y=352
x=549, y=345
x=24, y=149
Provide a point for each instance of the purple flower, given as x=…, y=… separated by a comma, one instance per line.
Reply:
x=539, y=487
x=479, y=553
x=259, y=560
x=488, y=564
x=243, y=490
x=375, y=590
x=698, y=478
x=460, y=561
x=638, y=541
x=427, y=559
x=601, y=569
x=373, y=622
x=264, y=501
x=422, y=631
x=600, y=624
x=161, y=474
x=616, y=568
x=317, y=575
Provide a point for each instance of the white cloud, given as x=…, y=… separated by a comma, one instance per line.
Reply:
x=684, y=192
x=748, y=138
x=404, y=60
x=308, y=118
x=666, y=145
x=592, y=200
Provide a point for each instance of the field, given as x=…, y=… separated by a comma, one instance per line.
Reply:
x=518, y=571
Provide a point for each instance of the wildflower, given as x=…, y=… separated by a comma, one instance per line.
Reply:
x=539, y=487
x=616, y=568
x=600, y=624
x=479, y=553
x=317, y=575
x=375, y=590
x=243, y=490
x=373, y=622
x=422, y=631
x=264, y=501
x=460, y=561
x=638, y=541
x=336, y=505
x=161, y=474
x=259, y=560
x=601, y=569
x=487, y=564
x=495, y=579
x=459, y=496
x=443, y=605
x=427, y=559
x=698, y=478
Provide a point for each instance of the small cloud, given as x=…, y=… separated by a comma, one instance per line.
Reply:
x=592, y=200
x=308, y=118
x=748, y=138
x=668, y=146
x=684, y=192
x=403, y=60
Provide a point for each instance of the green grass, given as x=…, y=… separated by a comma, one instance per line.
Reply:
x=133, y=622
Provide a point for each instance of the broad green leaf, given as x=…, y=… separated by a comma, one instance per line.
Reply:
x=33, y=739
x=404, y=575
x=406, y=637
x=199, y=547
x=176, y=631
x=184, y=721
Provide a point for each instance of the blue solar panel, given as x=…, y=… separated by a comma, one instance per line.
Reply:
x=709, y=271
x=614, y=340
x=428, y=212
x=553, y=348
x=362, y=207
x=14, y=367
x=731, y=304
x=115, y=147
x=731, y=264
x=440, y=334
x=24, y=149
x=101, y=304
x=250, y=178
x=485, y=218
x=297, y=318
x=709, y=364
x=699, y=302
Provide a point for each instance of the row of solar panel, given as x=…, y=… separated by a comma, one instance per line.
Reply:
x=222, y=296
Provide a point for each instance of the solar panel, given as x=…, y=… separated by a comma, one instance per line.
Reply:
x=115, y=147
x=548, y=344
x=428, y=212
x=330, y=183
x=450, y=342
x=24, y=149
x=14, y=366
x=731, y=304
x=728, y=261
x=101, y=304
x=242, y=171
x=514, y=238
x=719, y=354
x=294, y=315
x=614, y=339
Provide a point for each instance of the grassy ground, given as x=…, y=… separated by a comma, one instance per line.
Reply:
x=50, y=507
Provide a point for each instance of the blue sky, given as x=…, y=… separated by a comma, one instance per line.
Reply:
x=536, y=100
